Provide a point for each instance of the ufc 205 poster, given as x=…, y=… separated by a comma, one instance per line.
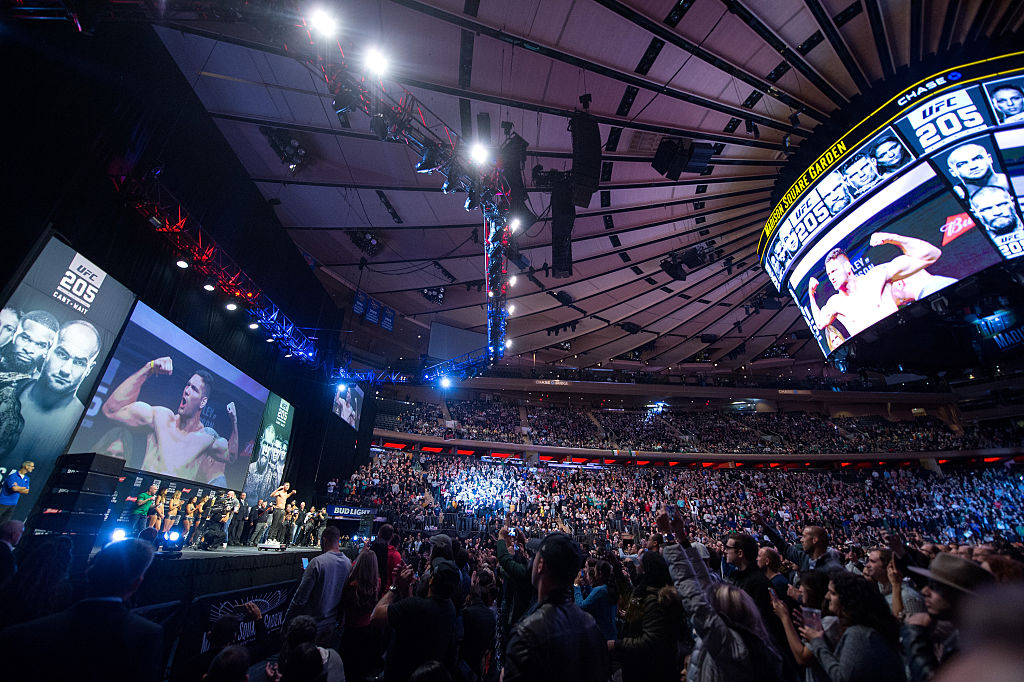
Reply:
x=56, y=332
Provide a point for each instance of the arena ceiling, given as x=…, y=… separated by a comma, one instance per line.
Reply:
x=698, y=69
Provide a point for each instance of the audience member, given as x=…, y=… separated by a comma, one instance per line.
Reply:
x=10, y=536
x=319, y=591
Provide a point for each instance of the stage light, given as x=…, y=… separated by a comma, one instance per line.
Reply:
x=183, y=264
x=478, y=153
x=514, y=225
x=270, y=339
x=508, y=343
x=173, y=536
x=287, y=355
x=323, y=23
x=118, y=535
x=254, y=325
x=376, y=61
x=209, y=287
x=490, y=294
x=428, y=160
x=512, y=281
x=511, y=308
x=232, y=306
x=446, y=382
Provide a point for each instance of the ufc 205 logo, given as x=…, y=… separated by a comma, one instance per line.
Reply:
x=945, y=118
x=78, y=287
x=80, y=283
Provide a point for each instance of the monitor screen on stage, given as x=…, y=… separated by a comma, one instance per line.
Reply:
x=56, y=331
x=168, y=405
x=921, y=194
x=268, y=457
x=348, y=403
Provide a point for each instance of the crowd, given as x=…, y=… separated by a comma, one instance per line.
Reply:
x=585, y=573
x=696, y=431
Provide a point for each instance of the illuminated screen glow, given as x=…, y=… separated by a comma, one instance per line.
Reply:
x=348, y=404
x=170, y=406
x=939, y=172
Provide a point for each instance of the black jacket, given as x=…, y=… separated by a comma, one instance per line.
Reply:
x=558, y=641
x=648, y=647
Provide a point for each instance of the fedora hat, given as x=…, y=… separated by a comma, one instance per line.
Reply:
x=956, y=572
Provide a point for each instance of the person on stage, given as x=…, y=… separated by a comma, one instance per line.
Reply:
x=178, y=444
x=173, y=508
x=280, y=497
x=14, y=485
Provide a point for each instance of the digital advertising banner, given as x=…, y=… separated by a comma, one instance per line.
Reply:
x=56, y=331
x=959, y=133
x=271, y=451
x=170, y=406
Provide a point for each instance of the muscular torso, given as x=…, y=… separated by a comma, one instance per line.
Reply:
x=176, y=452
x=280, y=497
x=866, y=301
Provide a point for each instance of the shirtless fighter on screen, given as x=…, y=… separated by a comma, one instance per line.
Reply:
x=862, y=300
x=178, y=444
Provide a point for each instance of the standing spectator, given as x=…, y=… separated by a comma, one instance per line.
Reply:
x=388, y=557
x=229, y=511
x=41, y=587
x=14, y=485
x=251, y=518
x=231, y=664
x=931, y=638
x=876, y=569
x=770, y=563
x=98, y=638
x=868, y=648
x=423, y=628
x=319, y=592
x=813, y=552
x=734, y=643
x=140, y=514
x=603, y=599
x=360, y=642
x=479, y=623
x=517, y=577
x=648, y=645
x=10, y=535
x=558, y=640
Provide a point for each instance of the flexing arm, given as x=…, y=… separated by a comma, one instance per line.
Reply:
x=226, y=449
x=823, y=317
x=124, y=406
x=917, y=255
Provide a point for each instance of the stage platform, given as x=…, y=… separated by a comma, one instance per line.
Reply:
x=200, y=572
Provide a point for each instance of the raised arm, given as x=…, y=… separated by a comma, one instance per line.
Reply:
x=226, y=449
x=823, y=317
x=124, y=406
x=917, y=255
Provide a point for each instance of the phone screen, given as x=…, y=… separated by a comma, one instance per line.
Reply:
x=812, y=618
x=305, y=563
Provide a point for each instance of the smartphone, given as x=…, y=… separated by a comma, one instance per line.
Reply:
x=771, y=591
x=812, y=618
x=305, y=563
x=670, y=509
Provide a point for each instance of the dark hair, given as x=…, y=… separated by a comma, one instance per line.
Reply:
x=746, y=544
x=385, y=532
x=230, y=665
x=41, y=317
x=863, y=604
x=606, y=574
x=331, y=535
x=888, y=139
x=431, y=671
x=207, y=381
x=816, y=585
x=223, y=631
x=854, y=159
x=40, y=584
x=562, y=558
x=303, y=663
x=655, y=570
x=118, y=565
x=362, y=581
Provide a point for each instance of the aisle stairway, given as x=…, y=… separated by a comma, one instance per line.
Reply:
x=524, y=420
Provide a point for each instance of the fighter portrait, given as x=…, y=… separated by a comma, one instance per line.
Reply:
x=1007, y=98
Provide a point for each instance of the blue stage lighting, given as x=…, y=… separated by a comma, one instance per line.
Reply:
x=118, y=535
x=446, y=382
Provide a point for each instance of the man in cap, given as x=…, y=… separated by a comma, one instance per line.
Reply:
x=423, y=628
x=557, y=640
x=929, y=639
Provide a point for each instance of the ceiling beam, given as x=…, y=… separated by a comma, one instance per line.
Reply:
x=917, y=28
x=673, y=38
x=790, y=55
x=835, y=39
x=467, y=23
x=948, y=25
x=881, y=41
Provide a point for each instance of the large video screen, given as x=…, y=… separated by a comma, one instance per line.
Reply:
x=168, y=405
x=348, y=403
x=268, y=457
x=941, y=163
x=56, y=331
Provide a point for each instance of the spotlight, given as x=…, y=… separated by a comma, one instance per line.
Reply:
x=287, y=355
x=232, y=306
x=254, y=325
x=490, y=294
x=451, y=181
x=209, y=287
x=478, y=154
x=512, y=281
x=508, y=343
x=511, y=308
x=173, y=536
x=118, y=535
x=514, y=225
x=376, y=61
x=428, y=162
x=323, y=23
x=446, y=382
x=173, y=542
x=270, y=339
x=183, y=264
